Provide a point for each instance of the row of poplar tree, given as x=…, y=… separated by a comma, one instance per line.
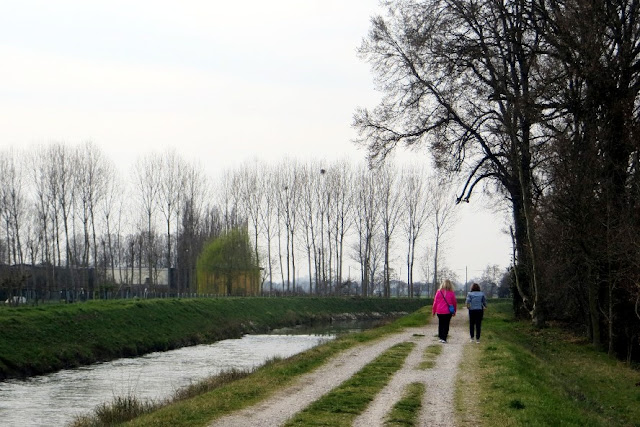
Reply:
x=67, y=207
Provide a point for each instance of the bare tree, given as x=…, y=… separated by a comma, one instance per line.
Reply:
x=170, y=192
x=34, y=238
x=367, y=222
x=267, y=216
x=323, y=243
x=288, y=186
x=192, y=236
x=376, y=274
x=415, y=213
x=490, y=278
x=84, y=173
x=12, y=204
x=43, y=208
x=91, y=174
x=62, y=187
x=427, y=262
x=388, y=202
x=229, y=195
x=447, y=273
x=309, y=179
x=341, y=175
x=442, y=218
x=111, y=209
x=325, y=211
x=147, y=179
x=251, y=200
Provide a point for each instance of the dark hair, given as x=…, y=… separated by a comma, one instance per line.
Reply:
x=475, y=287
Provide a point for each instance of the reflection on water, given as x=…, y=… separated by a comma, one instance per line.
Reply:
x=335, y=328
x=55, y=399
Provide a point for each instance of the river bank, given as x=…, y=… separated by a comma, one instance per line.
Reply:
x=43, y=339
x=56, y=399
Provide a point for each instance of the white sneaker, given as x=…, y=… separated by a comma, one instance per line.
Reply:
x=477, y=341
x=471, y=340
x=442, y=341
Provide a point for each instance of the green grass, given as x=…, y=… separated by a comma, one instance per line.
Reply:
x=200, y=410
x=531, y=377
x=343, y=404
x=406, y=411
x=429, y=356
x=42, y=339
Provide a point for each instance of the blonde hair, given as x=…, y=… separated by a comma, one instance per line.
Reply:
x=447, y=285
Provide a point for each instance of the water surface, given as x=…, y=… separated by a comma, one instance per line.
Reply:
x=55, y=399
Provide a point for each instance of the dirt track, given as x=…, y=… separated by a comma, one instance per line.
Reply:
x=439, y=381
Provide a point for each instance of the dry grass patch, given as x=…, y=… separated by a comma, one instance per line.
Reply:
x=468, y=385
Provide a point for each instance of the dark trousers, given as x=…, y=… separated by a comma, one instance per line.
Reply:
x=443, y=325
x=475, y=322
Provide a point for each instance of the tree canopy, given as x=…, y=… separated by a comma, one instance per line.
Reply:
x=229, y=257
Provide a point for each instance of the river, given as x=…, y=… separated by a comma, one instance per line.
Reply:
x=56, y=399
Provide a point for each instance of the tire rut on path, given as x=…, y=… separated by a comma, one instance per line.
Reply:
x=439, y=381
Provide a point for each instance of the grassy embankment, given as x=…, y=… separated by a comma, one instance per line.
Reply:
x=35, y=340
x=522, y=376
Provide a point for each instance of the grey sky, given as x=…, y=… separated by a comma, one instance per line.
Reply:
x=136, y=76
x=221, y=81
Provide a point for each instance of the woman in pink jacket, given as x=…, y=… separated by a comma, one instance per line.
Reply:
x=445, y=306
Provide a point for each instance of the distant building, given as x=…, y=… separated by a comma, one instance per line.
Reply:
x=139, y=276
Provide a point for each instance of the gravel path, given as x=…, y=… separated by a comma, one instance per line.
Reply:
x=439, y=381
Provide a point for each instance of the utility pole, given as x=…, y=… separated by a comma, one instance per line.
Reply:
x=466, y=281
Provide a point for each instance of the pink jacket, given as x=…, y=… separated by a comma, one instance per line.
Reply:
x=440, y=306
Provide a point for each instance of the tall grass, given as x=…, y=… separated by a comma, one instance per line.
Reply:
x=120, y=410
x=208, y=384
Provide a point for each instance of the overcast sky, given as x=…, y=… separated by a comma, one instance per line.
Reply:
x=221, y=81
